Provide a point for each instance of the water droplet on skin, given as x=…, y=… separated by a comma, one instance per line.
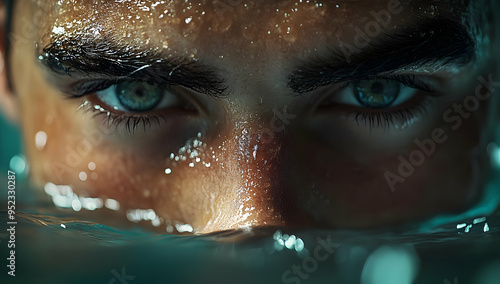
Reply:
x=82, y=176
x=58, y=8
x=92, y=166
x=58, y=30
x=168, y=171
x=40, y=140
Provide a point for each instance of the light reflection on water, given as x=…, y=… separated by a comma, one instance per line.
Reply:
x=57, y=248
x=59, y=245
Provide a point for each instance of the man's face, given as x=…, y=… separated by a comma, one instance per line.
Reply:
x=227, y=114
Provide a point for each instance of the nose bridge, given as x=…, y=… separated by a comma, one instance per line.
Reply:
x=259, y=150
x=257, y=160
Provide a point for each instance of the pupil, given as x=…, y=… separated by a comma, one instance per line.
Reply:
x=377, y=88
x=139, y=92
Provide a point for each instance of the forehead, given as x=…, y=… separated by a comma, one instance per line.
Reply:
x=234, y=25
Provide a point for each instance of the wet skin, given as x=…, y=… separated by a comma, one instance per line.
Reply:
x=276, y=146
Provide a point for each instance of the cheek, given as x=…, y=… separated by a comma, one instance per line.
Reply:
x=401, y=181
x=48, y=126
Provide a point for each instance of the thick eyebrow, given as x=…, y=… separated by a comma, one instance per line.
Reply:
x=97, y=56
x=436, y=42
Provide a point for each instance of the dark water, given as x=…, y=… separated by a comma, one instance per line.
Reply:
x=55, y=248
x=55, y=245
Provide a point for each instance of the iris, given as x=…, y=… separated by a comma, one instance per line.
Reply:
x=138, y=96
x=378, y=93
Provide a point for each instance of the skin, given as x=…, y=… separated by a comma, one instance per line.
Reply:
x=321, y=169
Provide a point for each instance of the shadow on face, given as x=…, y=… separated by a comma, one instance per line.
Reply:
x=255, y=113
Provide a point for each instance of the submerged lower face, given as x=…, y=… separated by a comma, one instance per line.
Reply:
x=202, y=114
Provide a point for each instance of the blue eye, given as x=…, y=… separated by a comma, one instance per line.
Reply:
x=376, y=93
x=137, y=96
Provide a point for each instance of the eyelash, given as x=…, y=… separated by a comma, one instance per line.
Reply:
x=372, y=119
x=384, y=119
x=131, y=122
